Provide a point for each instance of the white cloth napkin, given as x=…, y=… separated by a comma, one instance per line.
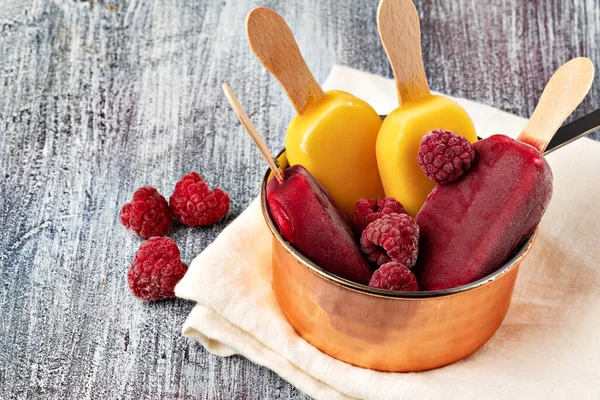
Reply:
x=548, y=346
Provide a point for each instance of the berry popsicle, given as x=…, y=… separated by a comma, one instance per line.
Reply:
x=306, y=215
x=470, y=227
x=334, y=134
x=309, y=219
x=419, y=111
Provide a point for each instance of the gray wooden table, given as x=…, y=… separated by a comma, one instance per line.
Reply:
x=101, y=97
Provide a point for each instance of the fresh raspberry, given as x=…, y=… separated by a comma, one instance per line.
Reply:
x=394, y=276
x=444, y=156
x=393, y=237
x=156, y=269
x=368, y=210
x=147, y=214
x=193, y=203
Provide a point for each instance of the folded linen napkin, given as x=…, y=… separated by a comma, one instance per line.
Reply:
x=547, y=347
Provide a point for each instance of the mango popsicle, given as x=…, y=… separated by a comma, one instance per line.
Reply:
x=306, y=215
x=334, y=134
x=419, y=112
x=471, y=226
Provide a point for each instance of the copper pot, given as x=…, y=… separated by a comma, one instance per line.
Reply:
x=383, y=330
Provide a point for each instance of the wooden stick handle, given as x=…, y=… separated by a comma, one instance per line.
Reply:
x=400, y=32
x=274, y=45
x=258, y=140
x=563, y=93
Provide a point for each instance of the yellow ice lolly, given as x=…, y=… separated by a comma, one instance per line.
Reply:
x=335, y=133
x=419, y=112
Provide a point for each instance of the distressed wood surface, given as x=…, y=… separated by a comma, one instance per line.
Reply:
x=99, y=98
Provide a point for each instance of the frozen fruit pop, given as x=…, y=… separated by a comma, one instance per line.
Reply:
x=310, y=220
x=334, y=134
x=470, y=227
x=419, y=111
x=306, y=214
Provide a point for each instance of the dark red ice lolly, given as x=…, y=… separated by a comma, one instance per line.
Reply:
x=471, y=227
x=310, y=220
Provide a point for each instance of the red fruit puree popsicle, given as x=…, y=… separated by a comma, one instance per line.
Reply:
x=309, y=219
x=472, y=226
x=306, y=214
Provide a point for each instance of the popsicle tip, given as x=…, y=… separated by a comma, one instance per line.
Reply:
x=400, y=33
x=259, y=9
x=565, y=90
x=274, y=45
x=584, y=67
x=257, y=15
x=396, y=4
x=582, y=60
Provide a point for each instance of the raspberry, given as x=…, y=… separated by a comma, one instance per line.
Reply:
x=156, y=269
x=394, y=276
x=147, y=214
x=444, y=156
x=393, y=237
x=194, y=204
x=368, y=210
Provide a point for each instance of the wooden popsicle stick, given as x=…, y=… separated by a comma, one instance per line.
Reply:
x=400, y=32
x=247, y=124
x=563, y=93
x=274, y=45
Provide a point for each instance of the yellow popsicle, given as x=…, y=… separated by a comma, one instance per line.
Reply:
x=335, y=133
x=419, y=112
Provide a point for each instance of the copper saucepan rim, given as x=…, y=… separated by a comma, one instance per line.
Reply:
x=373, y=291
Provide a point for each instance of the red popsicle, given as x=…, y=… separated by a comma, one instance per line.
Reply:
x=472, y=226
x=306, y=214
x=310, y=220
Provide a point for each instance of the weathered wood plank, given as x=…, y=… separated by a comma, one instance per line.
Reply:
x=99, y=98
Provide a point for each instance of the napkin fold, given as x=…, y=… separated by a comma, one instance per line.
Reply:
x=548, y=346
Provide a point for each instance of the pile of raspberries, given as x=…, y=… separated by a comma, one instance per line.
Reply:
x=389, y=238
x=157, y=265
